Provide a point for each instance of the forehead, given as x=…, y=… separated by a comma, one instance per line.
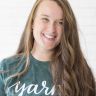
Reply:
x=50, y=8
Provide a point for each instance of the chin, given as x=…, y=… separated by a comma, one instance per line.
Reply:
x=49, y=47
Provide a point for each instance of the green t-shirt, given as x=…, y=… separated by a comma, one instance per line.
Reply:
x=37, y=81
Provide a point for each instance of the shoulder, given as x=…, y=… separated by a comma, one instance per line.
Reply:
x=11, y=61
x=11, y=65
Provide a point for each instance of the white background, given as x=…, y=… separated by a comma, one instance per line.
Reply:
x=14, y=14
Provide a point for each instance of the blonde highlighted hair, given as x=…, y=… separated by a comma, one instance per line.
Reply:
x=70, y=71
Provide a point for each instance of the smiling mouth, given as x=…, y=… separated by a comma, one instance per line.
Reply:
x=49, y=37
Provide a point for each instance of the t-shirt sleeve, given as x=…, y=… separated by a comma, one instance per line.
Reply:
x=2, y=91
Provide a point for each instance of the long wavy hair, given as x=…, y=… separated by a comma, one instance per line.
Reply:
x=71, y=74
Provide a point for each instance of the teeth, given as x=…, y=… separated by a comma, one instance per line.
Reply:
x=49, y=36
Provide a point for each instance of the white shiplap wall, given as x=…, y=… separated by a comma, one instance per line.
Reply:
x=13, y=16
x=85, y=12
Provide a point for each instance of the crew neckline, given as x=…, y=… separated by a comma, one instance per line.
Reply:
x=36, y=60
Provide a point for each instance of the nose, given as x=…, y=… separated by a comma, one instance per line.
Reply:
x=51, y=28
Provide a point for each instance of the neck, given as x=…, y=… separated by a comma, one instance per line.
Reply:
x=41, y=54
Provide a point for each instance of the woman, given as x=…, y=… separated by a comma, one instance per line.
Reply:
x=49, y=60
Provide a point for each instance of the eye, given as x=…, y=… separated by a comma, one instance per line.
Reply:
x=61, y=23
x=45, y=19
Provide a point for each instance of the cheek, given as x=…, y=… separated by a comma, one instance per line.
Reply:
x=37, y=30
x=38, y=27
x=60, y=31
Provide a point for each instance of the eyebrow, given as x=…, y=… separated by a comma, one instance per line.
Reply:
x=49, y=16
x=44, y=15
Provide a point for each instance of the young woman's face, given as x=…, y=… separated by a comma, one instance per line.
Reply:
x=48, y=25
